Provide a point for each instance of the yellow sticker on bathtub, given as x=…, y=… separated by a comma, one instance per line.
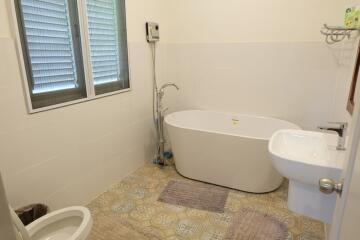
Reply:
x=235, y=121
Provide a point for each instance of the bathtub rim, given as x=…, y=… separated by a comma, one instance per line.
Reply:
x=295, y=126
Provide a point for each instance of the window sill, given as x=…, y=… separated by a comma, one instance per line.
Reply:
x=43, y=109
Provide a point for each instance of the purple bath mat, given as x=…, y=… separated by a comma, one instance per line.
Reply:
x=195, y=195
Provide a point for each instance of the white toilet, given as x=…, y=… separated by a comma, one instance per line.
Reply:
x=73, y=223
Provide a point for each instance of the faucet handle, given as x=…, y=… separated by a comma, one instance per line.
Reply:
x=164, y=110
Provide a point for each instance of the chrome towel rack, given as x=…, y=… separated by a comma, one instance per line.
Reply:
x=335, y=34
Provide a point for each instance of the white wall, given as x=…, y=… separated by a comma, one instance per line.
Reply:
x=260, y=57
x=69, y=155
x=346, y=53
x=292, y=81
x=251, y=20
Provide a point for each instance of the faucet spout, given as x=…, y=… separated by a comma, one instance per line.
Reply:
x=169, y=84
x=161, y=92
x=341, y=131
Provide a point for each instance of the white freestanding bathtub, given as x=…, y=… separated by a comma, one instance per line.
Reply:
x=225, y=149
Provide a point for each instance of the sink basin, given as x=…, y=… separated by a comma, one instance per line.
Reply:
x=304, y=158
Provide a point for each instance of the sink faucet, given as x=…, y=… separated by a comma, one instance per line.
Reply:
x=341, y=131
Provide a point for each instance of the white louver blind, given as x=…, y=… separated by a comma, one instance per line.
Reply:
x=48, y=35
x=104, y=40
x=54, y=56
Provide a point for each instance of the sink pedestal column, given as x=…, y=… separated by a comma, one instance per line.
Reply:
x=307, y=200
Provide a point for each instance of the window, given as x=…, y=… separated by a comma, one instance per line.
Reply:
x=107, y=44
x=54, y=56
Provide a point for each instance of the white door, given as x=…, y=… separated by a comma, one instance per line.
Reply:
x=345, y=225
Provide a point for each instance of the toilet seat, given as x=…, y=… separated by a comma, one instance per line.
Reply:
x=72, y=223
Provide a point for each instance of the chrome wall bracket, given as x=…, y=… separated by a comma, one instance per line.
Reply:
x=335, y=34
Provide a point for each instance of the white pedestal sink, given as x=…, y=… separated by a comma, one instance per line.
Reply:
x=304, y=158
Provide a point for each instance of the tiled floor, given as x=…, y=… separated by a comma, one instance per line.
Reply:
x=130, y=210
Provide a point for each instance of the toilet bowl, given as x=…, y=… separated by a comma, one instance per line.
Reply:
x=72, y=223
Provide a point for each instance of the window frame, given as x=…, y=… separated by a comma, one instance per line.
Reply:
x=85, y=56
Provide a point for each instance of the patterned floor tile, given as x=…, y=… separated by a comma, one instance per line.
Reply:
x=130, y=210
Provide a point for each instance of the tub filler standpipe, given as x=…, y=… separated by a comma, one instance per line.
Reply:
x=159, y=123
x=153, y=36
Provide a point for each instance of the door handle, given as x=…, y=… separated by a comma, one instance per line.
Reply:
x=329, y=186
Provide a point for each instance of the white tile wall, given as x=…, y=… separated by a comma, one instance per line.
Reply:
x=290, y=80
x=69, y=155
x=345, y=55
